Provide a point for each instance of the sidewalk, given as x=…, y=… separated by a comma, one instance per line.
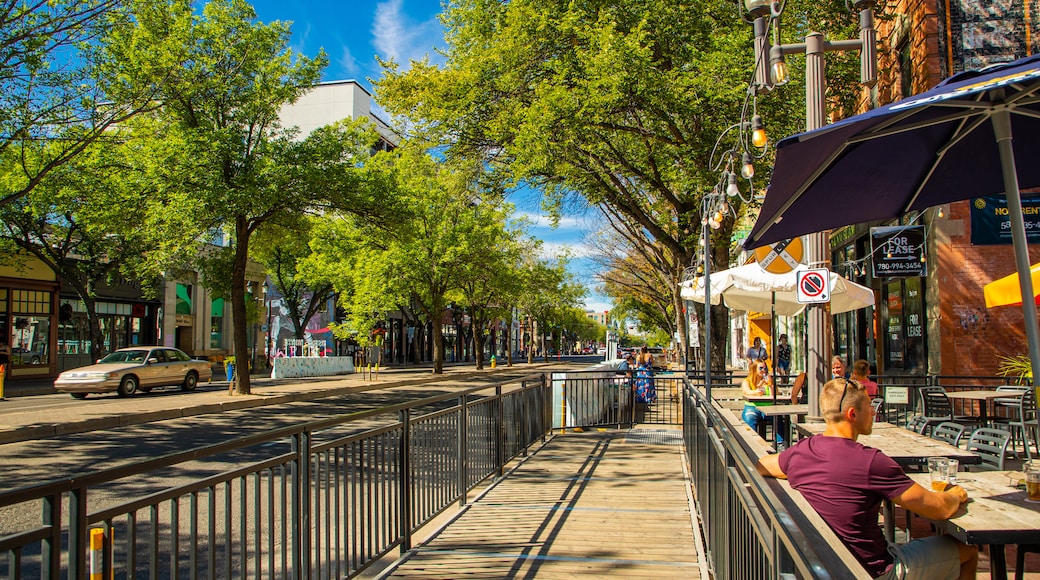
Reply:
x=31, y=422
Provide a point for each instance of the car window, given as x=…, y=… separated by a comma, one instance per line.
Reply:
x=135, y=356
x=157, y=354
x=176, y=355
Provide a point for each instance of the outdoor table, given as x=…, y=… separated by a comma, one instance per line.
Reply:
x=984, y=397
x=996, y=514
x=776, y=411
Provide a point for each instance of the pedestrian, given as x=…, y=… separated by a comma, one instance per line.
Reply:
x=756, y=352
x=5, y=362
x=846, y=481
x=861, y=374
x=783, y=359
x=646, y=391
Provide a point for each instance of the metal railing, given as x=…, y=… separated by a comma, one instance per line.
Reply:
x=308, y=501
x=607, y=398
x=751, y=530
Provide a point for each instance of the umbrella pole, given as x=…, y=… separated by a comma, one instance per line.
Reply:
x=772, y=342
x=1002, y=129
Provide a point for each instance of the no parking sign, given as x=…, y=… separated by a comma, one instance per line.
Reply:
x=814, y=285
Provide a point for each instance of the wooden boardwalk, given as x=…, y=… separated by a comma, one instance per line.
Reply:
x=600, y=503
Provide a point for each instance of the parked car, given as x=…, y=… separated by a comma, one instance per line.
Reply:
x=660, y=357
x=23, y=356
x=128, y=370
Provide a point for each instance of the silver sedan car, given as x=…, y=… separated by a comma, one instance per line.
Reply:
x=128, y=370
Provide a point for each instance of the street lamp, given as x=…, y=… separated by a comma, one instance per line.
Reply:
x=767, y=77
x=267, y=338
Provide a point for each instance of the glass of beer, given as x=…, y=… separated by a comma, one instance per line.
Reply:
x=1032, y=469
x=939, y=470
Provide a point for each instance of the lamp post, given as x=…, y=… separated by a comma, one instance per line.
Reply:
x=775, y=74
x=267, y=337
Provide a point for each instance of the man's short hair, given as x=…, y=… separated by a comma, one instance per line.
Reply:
x=844, y=392
x=861, y=368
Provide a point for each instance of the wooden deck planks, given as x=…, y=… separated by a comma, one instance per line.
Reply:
x=598, y=503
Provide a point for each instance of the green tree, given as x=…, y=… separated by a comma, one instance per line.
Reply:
x=620, y=103
x=549, y=290
x=234, y=75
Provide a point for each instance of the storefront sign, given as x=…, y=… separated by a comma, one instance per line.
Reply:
x=898, y=251
x=991, y=224
x=897, y=395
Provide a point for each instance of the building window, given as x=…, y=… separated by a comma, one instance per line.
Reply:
x=30, y=337
x=906, y=70
x=216, y=324
x=904, y=334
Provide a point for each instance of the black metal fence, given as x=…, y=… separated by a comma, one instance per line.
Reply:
x=310, y=501
x=608, y=398
x=751, y=530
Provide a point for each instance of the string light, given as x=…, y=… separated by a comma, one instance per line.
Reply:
x=747, y=168
x=732, y=188
x=758, y=132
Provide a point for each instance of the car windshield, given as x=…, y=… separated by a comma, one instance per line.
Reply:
x=125, y=356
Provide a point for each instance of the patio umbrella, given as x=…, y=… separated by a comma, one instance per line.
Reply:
x=1007, y=291
x=951, y=143
x=750, y=288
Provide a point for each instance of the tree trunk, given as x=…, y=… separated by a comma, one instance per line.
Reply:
x=97, y=340
x=478, y=343
x=509, y=343
x=438, y=347
x=238, y=306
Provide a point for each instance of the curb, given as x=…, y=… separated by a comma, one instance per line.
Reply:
x=253, y=400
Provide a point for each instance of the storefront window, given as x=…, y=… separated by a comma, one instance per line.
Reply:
x=30, y=337
x=913, y=310
x=216, y=324
x=904, y=334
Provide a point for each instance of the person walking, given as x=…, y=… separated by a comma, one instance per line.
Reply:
x=5, y=362
x=783, y=359
x=757, y=352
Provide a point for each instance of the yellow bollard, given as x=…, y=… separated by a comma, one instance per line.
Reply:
x=493, y=361
x=3, y=374
x=97, y=547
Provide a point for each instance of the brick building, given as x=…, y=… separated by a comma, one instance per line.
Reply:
x=938, y=323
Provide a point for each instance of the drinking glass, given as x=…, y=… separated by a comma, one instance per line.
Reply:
x=938, y=469
x=952, y=465
x=1032, y=470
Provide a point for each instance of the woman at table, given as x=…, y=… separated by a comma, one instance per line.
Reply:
x=759, y=384
x=861, y=374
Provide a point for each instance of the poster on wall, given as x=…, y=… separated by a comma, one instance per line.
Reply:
x=898, y=251
x=991, y=223
x=985, y=33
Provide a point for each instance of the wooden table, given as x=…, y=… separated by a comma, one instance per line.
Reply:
x=983, y=396
x=904, y=446
x=996, y=514
x=777, y=411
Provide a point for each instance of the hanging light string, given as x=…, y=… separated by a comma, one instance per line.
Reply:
x=859, y=266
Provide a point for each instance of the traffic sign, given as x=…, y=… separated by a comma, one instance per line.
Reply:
x=781, y=257
x=814, y=285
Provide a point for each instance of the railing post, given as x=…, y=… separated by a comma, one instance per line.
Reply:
x=77, y=533
x=463, y=474
x=404, y=482
x=546, y=415
x=525, y=416
x=50, y=548
x=499, y=434
x=301, y=504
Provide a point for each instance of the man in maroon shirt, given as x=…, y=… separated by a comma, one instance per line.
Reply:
x=846, y=481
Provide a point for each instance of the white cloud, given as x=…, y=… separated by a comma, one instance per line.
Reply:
x=574, y=250
x=543, y=221
x=397, y=36
x=348, y=63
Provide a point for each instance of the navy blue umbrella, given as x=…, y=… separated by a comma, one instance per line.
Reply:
x=951, y=143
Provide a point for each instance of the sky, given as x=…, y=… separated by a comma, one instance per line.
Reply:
x=352, y=34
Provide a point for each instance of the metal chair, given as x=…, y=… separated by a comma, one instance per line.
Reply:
x=1020, y=558
x=936, y=407
x=917, y=424
x=878, y=404
x=949, y=432
x=990, y=445
x=1022, y=419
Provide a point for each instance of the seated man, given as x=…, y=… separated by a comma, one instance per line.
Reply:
x=845, y=482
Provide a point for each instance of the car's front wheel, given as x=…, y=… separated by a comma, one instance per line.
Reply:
x=78, y=395
x=190, y=382
x=128, y=387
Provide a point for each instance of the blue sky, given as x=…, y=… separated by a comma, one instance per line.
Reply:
x=353, y=33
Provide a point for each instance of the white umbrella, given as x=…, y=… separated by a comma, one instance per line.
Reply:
x=752, y=289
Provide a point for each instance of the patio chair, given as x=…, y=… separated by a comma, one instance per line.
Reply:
x=1020, y=558
x=917, y=424
x=937, y=408
x=949, y=432
x=878, y=405
x=990, y=445
x=1022, y=420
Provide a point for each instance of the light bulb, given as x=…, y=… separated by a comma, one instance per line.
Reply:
x=724, y=207
x=732, y=188
x=747, y=168
x=941, y=212
x=889, y=255
x=718, y=217
x=758, y=132
x=922, y=259
x=778, y=66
